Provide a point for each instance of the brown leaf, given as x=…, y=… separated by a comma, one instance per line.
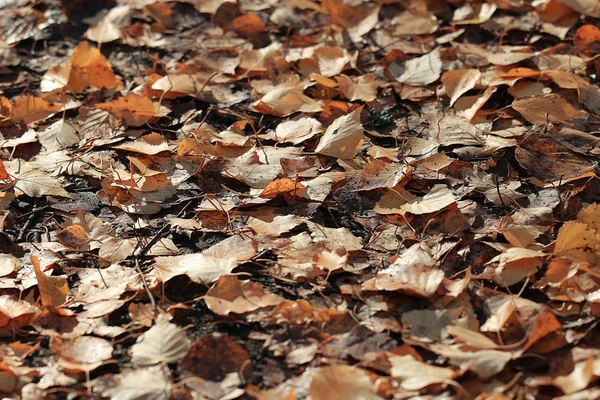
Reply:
x=363, y=88
x=214, y=356
x=32, y=109
x=89, y=68
x=16, y=314
x=413, y=273
x=281, y=186
x=337, y=382
x=550, y=108
x=83, y=353
x=151, y=144
x=74, y=236
x=53, y=289
x=133, y=110
x=458, y=82
x=549, y=161
x=163, y=343
x=230, y=295
x=343, y=137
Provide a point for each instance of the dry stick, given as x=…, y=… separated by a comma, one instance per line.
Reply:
x=147, y=248
x=29, y=223
x=146, y=288
x=160, y=232
x=498, y=190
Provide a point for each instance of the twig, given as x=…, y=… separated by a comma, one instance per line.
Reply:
x=146, y=288
x=34, y=211
x=160, y=233
x=498, y=190
x=29, y=223
x=145, y=250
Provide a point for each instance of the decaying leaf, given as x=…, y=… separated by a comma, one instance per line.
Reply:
x=53, y=289
x=343, y=137
x=230, y=295
x=132, y=109
x=421, y=71
x=163, y=343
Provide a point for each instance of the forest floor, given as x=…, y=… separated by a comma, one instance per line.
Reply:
x=298, y=199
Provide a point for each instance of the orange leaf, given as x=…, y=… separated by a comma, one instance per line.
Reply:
x=32, y=109
x=133, y=110
x=74, y=236
x=585, y=36
x=248, y=25
x=4, y=176
x=90, y=69
x=280, y=186
x=53, y=289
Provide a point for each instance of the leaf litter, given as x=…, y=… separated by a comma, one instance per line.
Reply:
x=299, y=200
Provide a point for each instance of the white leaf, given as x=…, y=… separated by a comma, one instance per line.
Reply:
x=163, y=343
x=422, y=71
x=343, y=137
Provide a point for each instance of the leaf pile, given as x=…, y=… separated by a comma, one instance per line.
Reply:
x=299, y=199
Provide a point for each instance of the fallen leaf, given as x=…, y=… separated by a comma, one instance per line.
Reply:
x=213, y=356
x=133, y=110
x=83, y=353
x=200, y=268
x=343, y=137
x=89, y=68
x=438, y=198
x=16, y=314
x=163, y=343
x=544, y=109
x=363, y=88
x=281, y=186
x=338, y=382
x=414, y=272
x=150, y=144
x=421, y=71
x=415, y=375
x=132, y=384
x=230, y=295
x=32, y=109
x=459, y=82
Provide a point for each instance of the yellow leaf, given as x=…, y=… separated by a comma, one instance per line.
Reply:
x=53, y=289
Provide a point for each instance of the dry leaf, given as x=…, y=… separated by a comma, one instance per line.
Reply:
x=230, y=295
x=53, y=289
x=109, y=27
x=438, y=198
x=281, y=186
x=16, y=314
x=89, y=68
x=133, y=110
x=132, y=384
x=415, y=375
x=200, y=268
x=32, y=109
x=363, y=88
x=343, y=137
x=550, y=108
x=413, y=272
x=296, y=131
x=163, y=343
x=341, y=382
x=459, y=82
x=84, y=353
x=286, y=99
x=214, y=356
x=421, y=71
x=151, y=144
